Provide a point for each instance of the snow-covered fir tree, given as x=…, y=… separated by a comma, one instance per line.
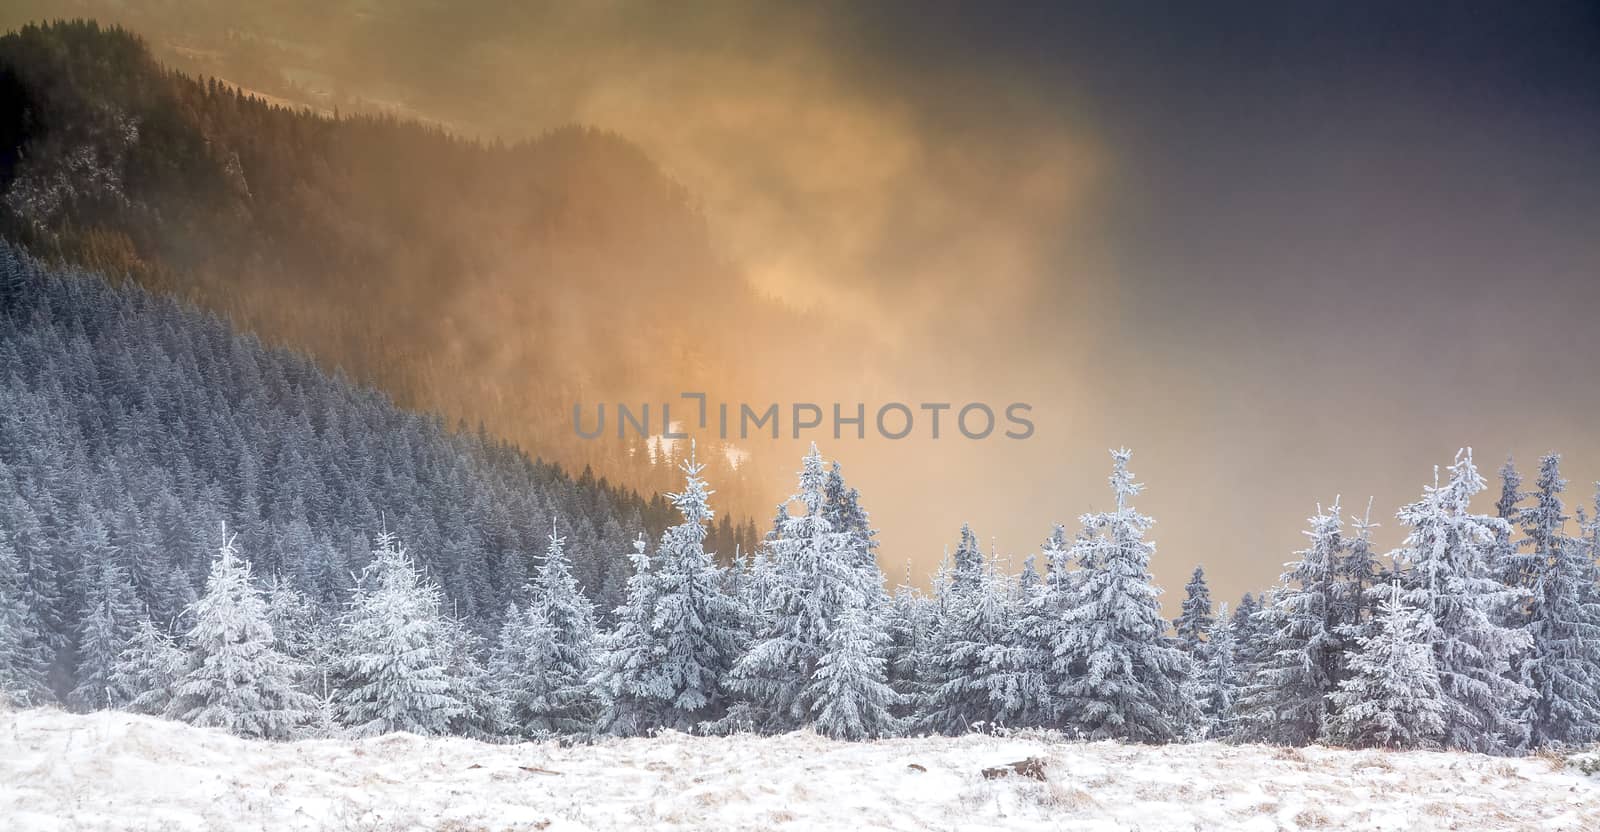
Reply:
x=109, y=616
x=695, y=624
x=842, y=507
x=521, y=666
x=393, y=672
x=551, y=650
x=757, y=589
x=1446, y=558
x=1028, y=579
x=1124, y=679
x=1358, y=572
x=149, y=669
x=234, y=678
x=24, y=653
x=304, y=632
x=850, y=695
x=907, y=624
x=483, y=713
x=1561, y=615
x=1284, y=701
x=1045, y=623
x=981, y=678
x=43, y=632
x=1392, y=697
x=1511, y=565
x=1195, y=620
x=957, y=585
x=816, y=578
x=1249, y=649
x=780, y=515
x=1217, y=681
x=1016, y=669
x=294, y=622
x=967, y=564
x=625, y=683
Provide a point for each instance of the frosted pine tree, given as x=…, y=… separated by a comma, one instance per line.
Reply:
x=968, y=561
x=521, y=668
x=1510, y=564
x=1028, y=579
x=1249, y=653
x=758, y=592
x=24, y=650
x=1284, y=701
x=1195, y=620
x=300, y=632
x=483, y=711
x=1358, y=572
x=1217, y=681
x=293, y=620
x=844, y=512
x=1017, y=668
x=1446, y=556
x=694, y=622
x=1514, y=568
x=38, y=589
x=780, y=516
x=849, y=693
x=1191, y=628
x=110, y=614
x=149, y=669
x=543, y=660
x=816, y=578
x=560, y=606
x=1057, y=594
x=234, y=678
x=1124, y=680
x=1392, y=698
x=983, y=676
x=624, y=681
x=951, y=702
x=393, y=671
x=1562, y=618
x=907, y=627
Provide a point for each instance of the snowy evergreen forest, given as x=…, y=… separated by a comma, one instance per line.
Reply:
x=196, y=527
x=133, y=427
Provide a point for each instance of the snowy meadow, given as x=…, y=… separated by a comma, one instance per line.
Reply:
x=118, y=771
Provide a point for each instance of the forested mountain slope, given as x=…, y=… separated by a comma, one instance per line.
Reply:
x=489, y=282
x=133, y=426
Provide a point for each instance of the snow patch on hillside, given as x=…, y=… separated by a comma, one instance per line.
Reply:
x=114, y=770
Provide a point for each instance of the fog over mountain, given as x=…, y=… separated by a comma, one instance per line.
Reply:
x=1278, y=287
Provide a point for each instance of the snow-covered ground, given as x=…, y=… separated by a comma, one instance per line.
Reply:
x=114, y=770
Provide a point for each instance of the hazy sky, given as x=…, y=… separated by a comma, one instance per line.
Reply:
x=1284, y=251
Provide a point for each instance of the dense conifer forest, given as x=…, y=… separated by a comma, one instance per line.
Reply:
x=135, y=426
